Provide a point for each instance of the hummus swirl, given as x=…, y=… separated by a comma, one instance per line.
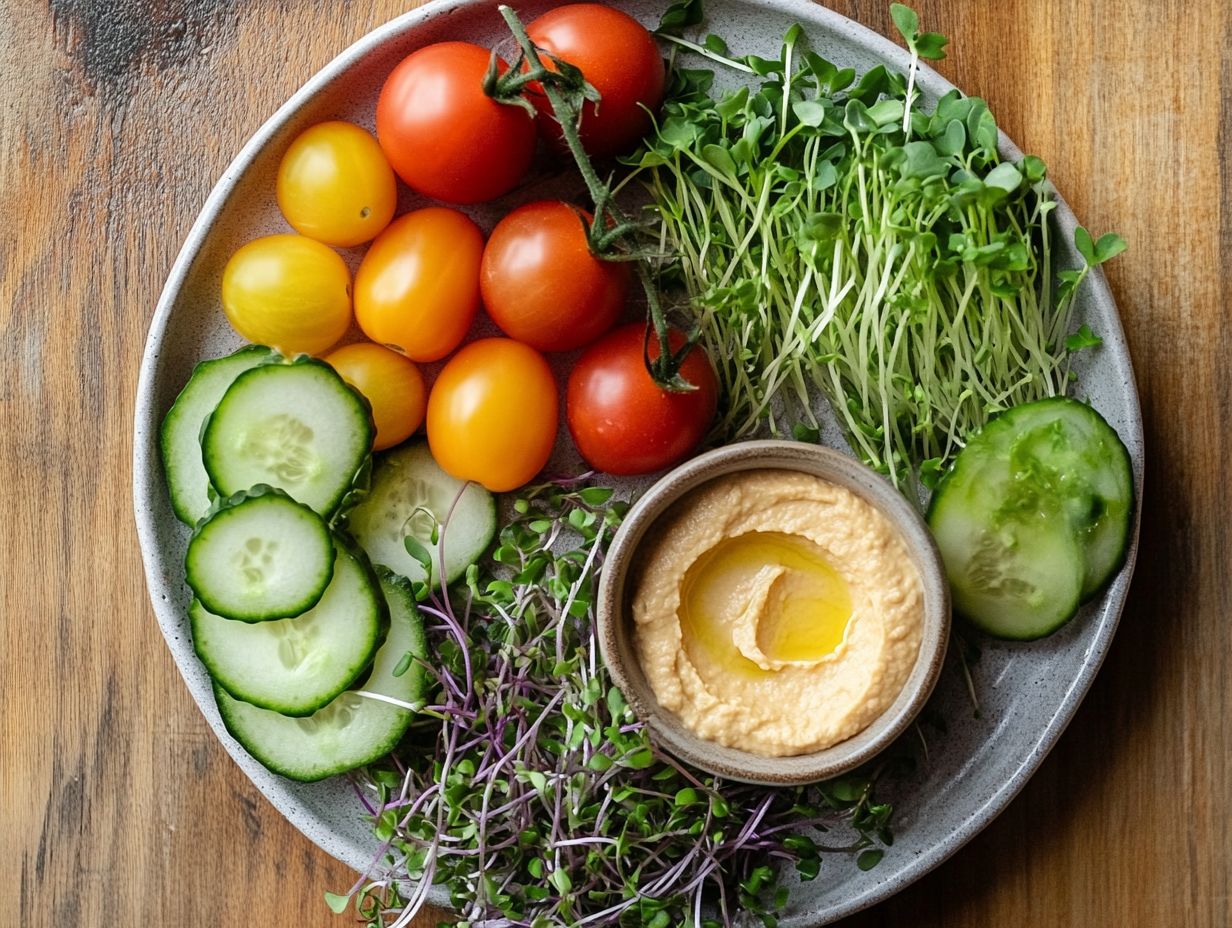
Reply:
x=776, y=612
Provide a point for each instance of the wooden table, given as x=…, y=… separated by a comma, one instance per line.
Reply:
x=117, y=805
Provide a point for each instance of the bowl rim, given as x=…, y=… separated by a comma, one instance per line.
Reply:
x=616, y=628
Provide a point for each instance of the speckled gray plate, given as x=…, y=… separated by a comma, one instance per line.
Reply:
x=1028, y=692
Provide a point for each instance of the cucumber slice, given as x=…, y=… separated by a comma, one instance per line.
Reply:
x=1034, y=516
x=409, y=495
x=179, y=438
x=296, y=666
x=260, y=556
x=1014, y=575
x=296, y=426
x=352, y=730
x=1076, y=456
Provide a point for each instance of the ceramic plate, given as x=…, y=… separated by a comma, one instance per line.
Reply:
x=1028, y=692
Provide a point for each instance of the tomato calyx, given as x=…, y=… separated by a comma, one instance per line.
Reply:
x=531, y=74
x=676, y=383
x=611, y=234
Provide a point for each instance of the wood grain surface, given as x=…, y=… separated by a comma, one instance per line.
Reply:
x=117, y=805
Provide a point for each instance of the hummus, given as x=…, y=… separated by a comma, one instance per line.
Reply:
x=776, y=612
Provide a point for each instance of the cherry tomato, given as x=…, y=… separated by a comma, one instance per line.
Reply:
x=393, y=386
x=289, y=292
x=620, y=420
x=444, y=136
x=417, y=289
x=492, y=414
x=335, y=185
x=619, y=58
x=541, y=284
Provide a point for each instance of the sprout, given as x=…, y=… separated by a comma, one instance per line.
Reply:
x=830, y=236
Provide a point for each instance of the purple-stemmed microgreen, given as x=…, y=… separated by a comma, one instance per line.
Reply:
x=530, y=792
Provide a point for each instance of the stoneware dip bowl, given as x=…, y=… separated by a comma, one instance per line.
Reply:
x=616, y=627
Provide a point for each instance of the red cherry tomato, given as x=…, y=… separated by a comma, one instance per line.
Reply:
x=624, y=423
x=541, y=284
x=492, y=414
x=443, y=135
x=619, y=58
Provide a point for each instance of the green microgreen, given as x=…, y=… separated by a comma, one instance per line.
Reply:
x=1083, y=338
x=830, y=234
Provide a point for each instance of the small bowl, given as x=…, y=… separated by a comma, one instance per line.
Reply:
x=616, y=632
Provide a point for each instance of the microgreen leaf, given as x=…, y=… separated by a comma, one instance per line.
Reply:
x=869, y=859
x=595, y=496
x=1083, y=338
x=680, y=15
x=1034, y=169
x=404, y=664
x=1109, y=246
x=415, y=548
x=954, y=138
x=809, y=112
x=337, y=903
x=930, y=472
x=1005, y=177
x=921, y=161
x=931, y=45
x=808, y=433
x=1085, y=246
x=906, y=20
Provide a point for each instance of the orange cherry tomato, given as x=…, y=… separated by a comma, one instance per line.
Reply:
x=493, y=413
x=417, y=289
x=289, y=292
x=393, y=386
x=335, y=185
x=542, y=285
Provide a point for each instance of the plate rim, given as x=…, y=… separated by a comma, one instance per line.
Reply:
x=147, y=472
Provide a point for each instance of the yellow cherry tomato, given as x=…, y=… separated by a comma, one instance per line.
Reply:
x=289, y=292
x=417, y=290
x=392, y=385
x=335, y=185
x=492, y=414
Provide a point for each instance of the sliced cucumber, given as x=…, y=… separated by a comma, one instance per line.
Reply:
x=410, y=495
x=1013, y=575
x=296, y=666
x=296, y=426
x=353, y=730
x=1033, y=518
x=260, y=556
x=1076, y=456
x=180, y=436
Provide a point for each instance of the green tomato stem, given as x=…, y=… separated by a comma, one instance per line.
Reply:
x=611, y=227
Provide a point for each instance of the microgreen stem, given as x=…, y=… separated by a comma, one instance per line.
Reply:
x=704, y=52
